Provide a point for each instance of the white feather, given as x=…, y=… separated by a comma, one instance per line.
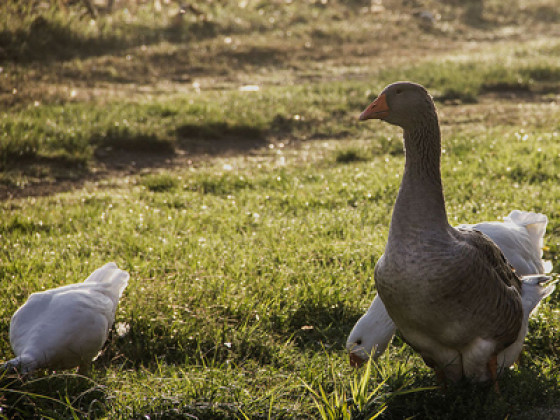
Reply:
x=66, y=327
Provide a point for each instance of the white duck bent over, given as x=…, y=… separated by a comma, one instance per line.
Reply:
x=451, y=292
x=66, y=327
x=519, y=237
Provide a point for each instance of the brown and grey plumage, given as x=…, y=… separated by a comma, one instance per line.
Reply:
x=450, y=291
x=520, y=238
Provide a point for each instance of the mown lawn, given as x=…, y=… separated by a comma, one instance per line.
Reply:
x=250, y=221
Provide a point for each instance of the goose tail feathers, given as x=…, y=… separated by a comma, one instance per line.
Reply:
x=111, y=278
x=535, y=223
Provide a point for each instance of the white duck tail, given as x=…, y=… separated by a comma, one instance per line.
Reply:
x=111, y=280
x=66, y=327
x=520, y=238
x=535, y=223
x=533, y=290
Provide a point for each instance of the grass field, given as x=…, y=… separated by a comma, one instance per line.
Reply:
x=217, y=158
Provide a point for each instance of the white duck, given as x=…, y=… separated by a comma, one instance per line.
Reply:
x=519, y=237
x=66, y=327
x=450, y=291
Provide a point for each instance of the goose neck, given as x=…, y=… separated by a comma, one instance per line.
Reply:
x=420, y=204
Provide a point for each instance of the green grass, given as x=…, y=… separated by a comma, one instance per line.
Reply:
x=465, y=78
x=72, y=135
x=246, y=281
x=251, y=255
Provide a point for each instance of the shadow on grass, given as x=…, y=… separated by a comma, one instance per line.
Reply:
x=122, y=150
x=200, y=411
x=17, y=224
x=521, y=393
x=314, y=326
x=48, y=39
x=220, y=138
x=142, y=143
x=257, y=56
x=149, y=343
x=53, y=396
x=224, y=138
x=63, y=166
x=145, y=344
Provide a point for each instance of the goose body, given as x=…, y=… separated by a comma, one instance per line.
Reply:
x=66, y=327
x=450, y=291
x=519, y=237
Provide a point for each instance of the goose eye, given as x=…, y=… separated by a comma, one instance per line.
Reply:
x=398, y=91
x=359, y=342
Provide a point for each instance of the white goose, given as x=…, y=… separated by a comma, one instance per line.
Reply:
x=520, y=238
x=450, y=291
x=66, y=327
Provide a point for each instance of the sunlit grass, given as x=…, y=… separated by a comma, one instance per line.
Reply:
x=245, y=274
x=356, y=402
x=75, y=135
x=250, y=265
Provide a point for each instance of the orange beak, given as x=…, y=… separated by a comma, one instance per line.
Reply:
x=376, y=110
x=355, y=360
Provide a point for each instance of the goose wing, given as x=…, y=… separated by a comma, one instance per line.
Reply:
x=498, y=306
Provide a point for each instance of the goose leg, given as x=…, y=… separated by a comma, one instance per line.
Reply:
x=84, y=368
x=519, y=358
x=493, y=369
x=440, y=377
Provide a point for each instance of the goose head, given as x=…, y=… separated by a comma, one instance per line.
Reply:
x=371, y=334
x=404, y=104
